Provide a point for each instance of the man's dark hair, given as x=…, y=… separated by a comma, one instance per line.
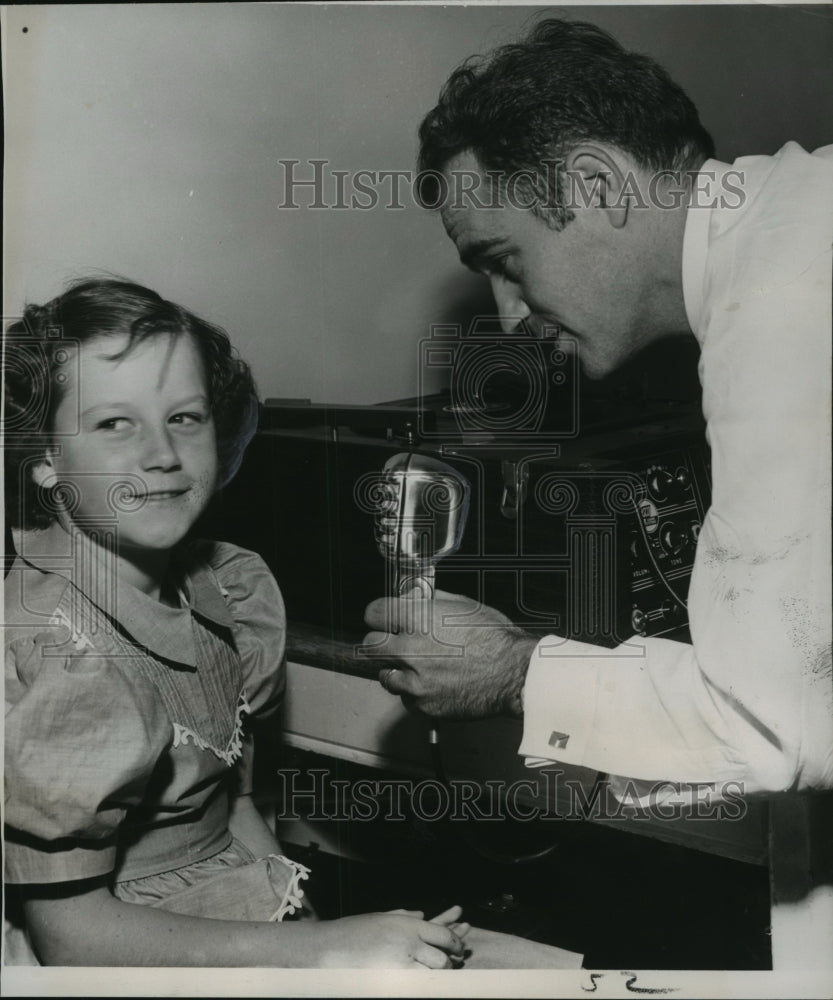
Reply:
x=36, y=350
x=532, y=101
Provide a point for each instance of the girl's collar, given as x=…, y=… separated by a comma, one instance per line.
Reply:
x=91, y=569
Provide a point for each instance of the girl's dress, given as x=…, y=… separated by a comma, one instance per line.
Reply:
x=125, y=724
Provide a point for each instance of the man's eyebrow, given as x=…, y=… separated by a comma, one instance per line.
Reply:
x=476, y=252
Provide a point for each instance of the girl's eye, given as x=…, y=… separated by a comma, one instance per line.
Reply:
x=112, y=424
x=188, y=419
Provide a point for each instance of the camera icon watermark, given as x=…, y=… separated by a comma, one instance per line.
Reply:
x=513, y=388
x=35, y=371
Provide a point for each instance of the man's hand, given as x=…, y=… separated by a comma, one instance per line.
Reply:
x=449, y=657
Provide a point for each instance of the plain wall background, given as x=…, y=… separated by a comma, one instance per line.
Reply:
x=145, y=139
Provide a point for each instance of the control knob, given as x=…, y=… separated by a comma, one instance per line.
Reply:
x=669, y=610
x=663, y=485
x=674, y=538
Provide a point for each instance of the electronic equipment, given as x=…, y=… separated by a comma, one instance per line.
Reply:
x=590, y=534
x=583, y=523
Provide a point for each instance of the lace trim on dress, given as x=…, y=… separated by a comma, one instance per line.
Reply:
x=183, y=735
x=294, y=894
x=77, y=636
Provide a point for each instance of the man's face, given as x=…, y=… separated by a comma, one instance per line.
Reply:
x=581, y=279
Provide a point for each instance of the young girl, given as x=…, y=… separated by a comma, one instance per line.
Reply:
x=134, y=659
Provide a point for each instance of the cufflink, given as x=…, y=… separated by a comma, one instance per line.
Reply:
x=558, y=740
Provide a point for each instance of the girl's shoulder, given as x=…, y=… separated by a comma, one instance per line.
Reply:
x=31, y=597
x=256, y=607
x=45, y=618
x=58, y=644
x=242, y=576
x=223, y=557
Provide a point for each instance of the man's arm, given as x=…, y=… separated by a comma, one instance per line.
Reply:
x=646, y=709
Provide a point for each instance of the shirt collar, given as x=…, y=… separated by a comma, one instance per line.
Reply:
x=696, y=241
x=91, y=568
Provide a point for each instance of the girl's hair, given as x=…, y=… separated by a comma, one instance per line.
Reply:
x=36, y=366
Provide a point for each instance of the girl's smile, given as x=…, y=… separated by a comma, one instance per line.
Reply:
x=134, y=442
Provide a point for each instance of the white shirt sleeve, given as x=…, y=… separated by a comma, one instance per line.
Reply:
x=642, y=710
x=751, y=700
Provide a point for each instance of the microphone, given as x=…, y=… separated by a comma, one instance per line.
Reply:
x=420, y=519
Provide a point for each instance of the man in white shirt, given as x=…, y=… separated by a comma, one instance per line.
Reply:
x=637, y=234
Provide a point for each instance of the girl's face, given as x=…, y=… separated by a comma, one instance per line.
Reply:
x=135, y=440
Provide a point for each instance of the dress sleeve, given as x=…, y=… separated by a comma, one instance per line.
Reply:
x=259, y=615
x=81, y=744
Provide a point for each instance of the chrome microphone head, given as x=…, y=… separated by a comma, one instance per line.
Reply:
x=420, y=519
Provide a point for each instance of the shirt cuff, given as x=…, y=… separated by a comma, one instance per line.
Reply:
x=559, y=701
x=641, y=709
x=562, y=698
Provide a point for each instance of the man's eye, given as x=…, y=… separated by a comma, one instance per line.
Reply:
x=499, y=267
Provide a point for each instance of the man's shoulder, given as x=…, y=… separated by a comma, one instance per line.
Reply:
x=790, y=153
x=792, y=172
x=793, y=156
x=784, y=200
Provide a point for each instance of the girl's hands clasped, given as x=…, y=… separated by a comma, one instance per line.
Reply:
x=397, y=939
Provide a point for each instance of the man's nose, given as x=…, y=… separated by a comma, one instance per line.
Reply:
x=511, y=306
x=159, y=450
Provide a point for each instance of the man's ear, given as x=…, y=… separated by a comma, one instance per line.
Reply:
x=600, y=178
x=43, y=472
